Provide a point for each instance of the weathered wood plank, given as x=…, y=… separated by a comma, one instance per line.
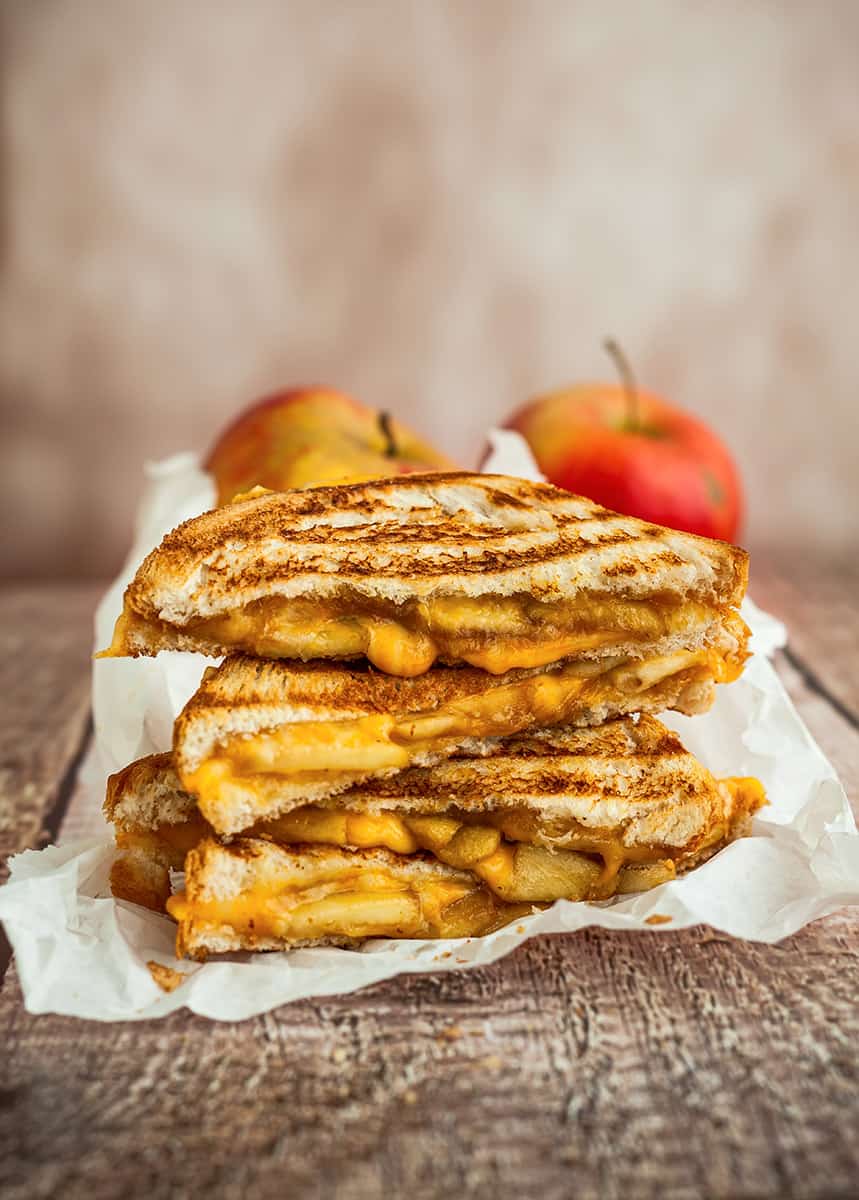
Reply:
x=819, y=603
x=601, y=1065
x=45, y=641
x=837, y=737
x=44, y=711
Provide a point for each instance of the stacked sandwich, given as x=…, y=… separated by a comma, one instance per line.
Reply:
x=434, y=713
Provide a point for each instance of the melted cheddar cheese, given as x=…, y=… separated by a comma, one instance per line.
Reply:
x=495, y=633
x=375, y=743
x=517, y=855
x=499, y=847
x=509, y=877
x=351, y=907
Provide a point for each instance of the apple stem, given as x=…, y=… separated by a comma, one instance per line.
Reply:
x=387, y=432
x=627, y=379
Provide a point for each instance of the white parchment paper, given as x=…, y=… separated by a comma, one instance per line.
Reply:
x=80, y=952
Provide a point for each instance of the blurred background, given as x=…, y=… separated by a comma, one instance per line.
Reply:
x=440, y=206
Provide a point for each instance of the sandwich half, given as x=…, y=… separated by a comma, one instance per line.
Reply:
x=575, y=814
x=491, y=571
x=258, y=738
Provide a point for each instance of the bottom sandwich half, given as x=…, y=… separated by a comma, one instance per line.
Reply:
x=454, y=850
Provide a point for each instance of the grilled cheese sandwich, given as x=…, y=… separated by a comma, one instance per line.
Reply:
x=256, y=739
x=308, y=802
x=569, y=814
x=498, y=573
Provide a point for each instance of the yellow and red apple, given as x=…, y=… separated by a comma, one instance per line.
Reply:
x=303, y=437
x=635, y=453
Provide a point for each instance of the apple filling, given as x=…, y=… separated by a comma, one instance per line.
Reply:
x=523, y=855
x=255, y=895
x=239, y=771
x=494, y=633
x=358, y=904
x=520, y=855
x=499, y=848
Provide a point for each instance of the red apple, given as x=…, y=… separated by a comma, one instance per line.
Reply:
x=635, y=453
x=307, y=436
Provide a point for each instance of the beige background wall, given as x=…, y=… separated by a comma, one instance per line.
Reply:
x=441, y=206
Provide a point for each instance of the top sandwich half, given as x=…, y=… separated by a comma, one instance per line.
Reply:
x=496, y=572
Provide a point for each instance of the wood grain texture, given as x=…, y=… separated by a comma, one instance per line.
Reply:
x=835, y=732
x=821, y=608
x=597, y=1064
x=600, y=1065
x=45, y=645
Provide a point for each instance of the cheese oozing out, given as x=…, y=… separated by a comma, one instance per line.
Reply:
x=350, y=904
x=494, y=633
x=520, y=855
x=499, y=847
x=363, y=901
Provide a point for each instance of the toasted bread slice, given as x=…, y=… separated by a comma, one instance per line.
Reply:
x=496, y=572
x=258, y=738
x=147, y=793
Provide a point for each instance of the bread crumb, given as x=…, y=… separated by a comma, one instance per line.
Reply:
x=410, y=1097
x=491, y=1063
x=520, y=928
x=338, y=1054
x=167, y=978
x=658, y=919
x=452, y=1034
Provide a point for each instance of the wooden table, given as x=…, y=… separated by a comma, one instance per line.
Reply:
x=597, y=1064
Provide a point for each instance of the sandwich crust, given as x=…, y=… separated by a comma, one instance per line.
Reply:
x=147, y=793
x=156, y=822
